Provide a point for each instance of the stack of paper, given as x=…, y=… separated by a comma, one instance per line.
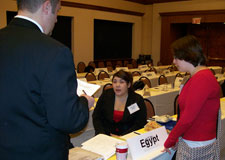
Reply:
x=78, y=153
x=86, y=88
x=102, y=144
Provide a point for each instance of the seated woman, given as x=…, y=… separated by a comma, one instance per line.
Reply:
x=119, y=110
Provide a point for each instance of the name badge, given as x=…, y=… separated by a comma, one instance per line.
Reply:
x=133, y=108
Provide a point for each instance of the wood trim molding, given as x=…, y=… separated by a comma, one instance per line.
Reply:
x=207, y=12
x=216, y=59
x=100, y=8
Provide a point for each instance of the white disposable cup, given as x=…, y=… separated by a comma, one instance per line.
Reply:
x=121, y=151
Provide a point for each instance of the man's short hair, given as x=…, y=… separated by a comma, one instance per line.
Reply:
x=33, y=5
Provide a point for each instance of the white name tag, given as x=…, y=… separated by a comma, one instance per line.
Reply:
x=147, y=143
x=133, y=108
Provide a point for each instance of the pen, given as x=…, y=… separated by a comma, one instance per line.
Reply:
x=84, y=92
x=137, y=133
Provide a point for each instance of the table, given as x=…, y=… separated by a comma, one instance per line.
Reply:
x=162, y=100
x=88, y=132
x=217, y=69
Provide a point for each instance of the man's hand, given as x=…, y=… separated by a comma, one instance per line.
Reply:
x=90, y=99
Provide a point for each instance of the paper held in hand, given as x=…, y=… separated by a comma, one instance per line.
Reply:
x=88, y=88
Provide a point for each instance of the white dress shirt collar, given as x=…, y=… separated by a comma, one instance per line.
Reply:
x=31, y=20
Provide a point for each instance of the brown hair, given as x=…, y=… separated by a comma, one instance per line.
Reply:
x=126, y=76
x=189, y=49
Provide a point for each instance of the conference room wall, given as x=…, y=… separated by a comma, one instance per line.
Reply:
x=83, y=25
x=194, y=5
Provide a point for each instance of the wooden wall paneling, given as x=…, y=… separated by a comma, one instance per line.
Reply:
x=165, y=41
x=216, y=43
x=212, y=40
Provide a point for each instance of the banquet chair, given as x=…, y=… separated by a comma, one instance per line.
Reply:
x=159, y=63
x=162, y=79
x=81, y=67
x=187, y=74
x=90, y=76
x=146, y=81
x=136, y=73
x=125, y=63
x=107, y=86
x=149, y=109
x=151, y=69
x=222, y=70
x=109, y=68
x=119, y=63
x=102, y=75
x=108, y=63
x=176, y=104
x=101, y=64
x=134, y=63
x=212, y=70
x=91, y=63
x=130, y=66
x=178, y=75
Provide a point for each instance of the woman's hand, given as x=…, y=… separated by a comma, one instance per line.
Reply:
x=166, y=150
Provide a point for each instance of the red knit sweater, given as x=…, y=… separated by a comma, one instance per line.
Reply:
x=199, y=102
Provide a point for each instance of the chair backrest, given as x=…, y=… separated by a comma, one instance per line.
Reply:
x=136, y=73
x=90, y=77
x=178, y=75
x=151, y=69
x=130, y=66
x=91, y=63
x=176, y=104
x=109, y=68
x=107, y=86
x=159, y=63
x=119, y=63
x=162, y=79
x=222, y=70
x=102, y=75
x=212, y=70
x=125, y=63
x=108, y=63
x=134, y=63
x=81, y=67
x=187, y=73
x=146, y=81
x=149, y=108
x=101, y=64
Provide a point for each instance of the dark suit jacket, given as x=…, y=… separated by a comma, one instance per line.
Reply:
x=103, y=114
x=39, y=106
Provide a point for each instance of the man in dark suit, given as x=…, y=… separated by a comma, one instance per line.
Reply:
x=39, y=106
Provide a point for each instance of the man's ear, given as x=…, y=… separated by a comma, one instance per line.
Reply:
x=46, y=7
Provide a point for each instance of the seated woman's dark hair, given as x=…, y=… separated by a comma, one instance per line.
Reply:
x=125, y=76
x=189, y=49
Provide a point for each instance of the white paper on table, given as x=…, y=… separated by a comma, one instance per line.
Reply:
x=102, y=144
x=88, y=88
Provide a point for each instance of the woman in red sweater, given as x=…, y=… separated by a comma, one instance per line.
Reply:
x=199, y=102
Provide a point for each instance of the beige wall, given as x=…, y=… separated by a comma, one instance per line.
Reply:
x=146, y=30
x=83, y=23
x=194, y=5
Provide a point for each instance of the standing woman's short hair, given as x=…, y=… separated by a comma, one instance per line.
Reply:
x=33, y=5
x=189, y=49
x=125, y=76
